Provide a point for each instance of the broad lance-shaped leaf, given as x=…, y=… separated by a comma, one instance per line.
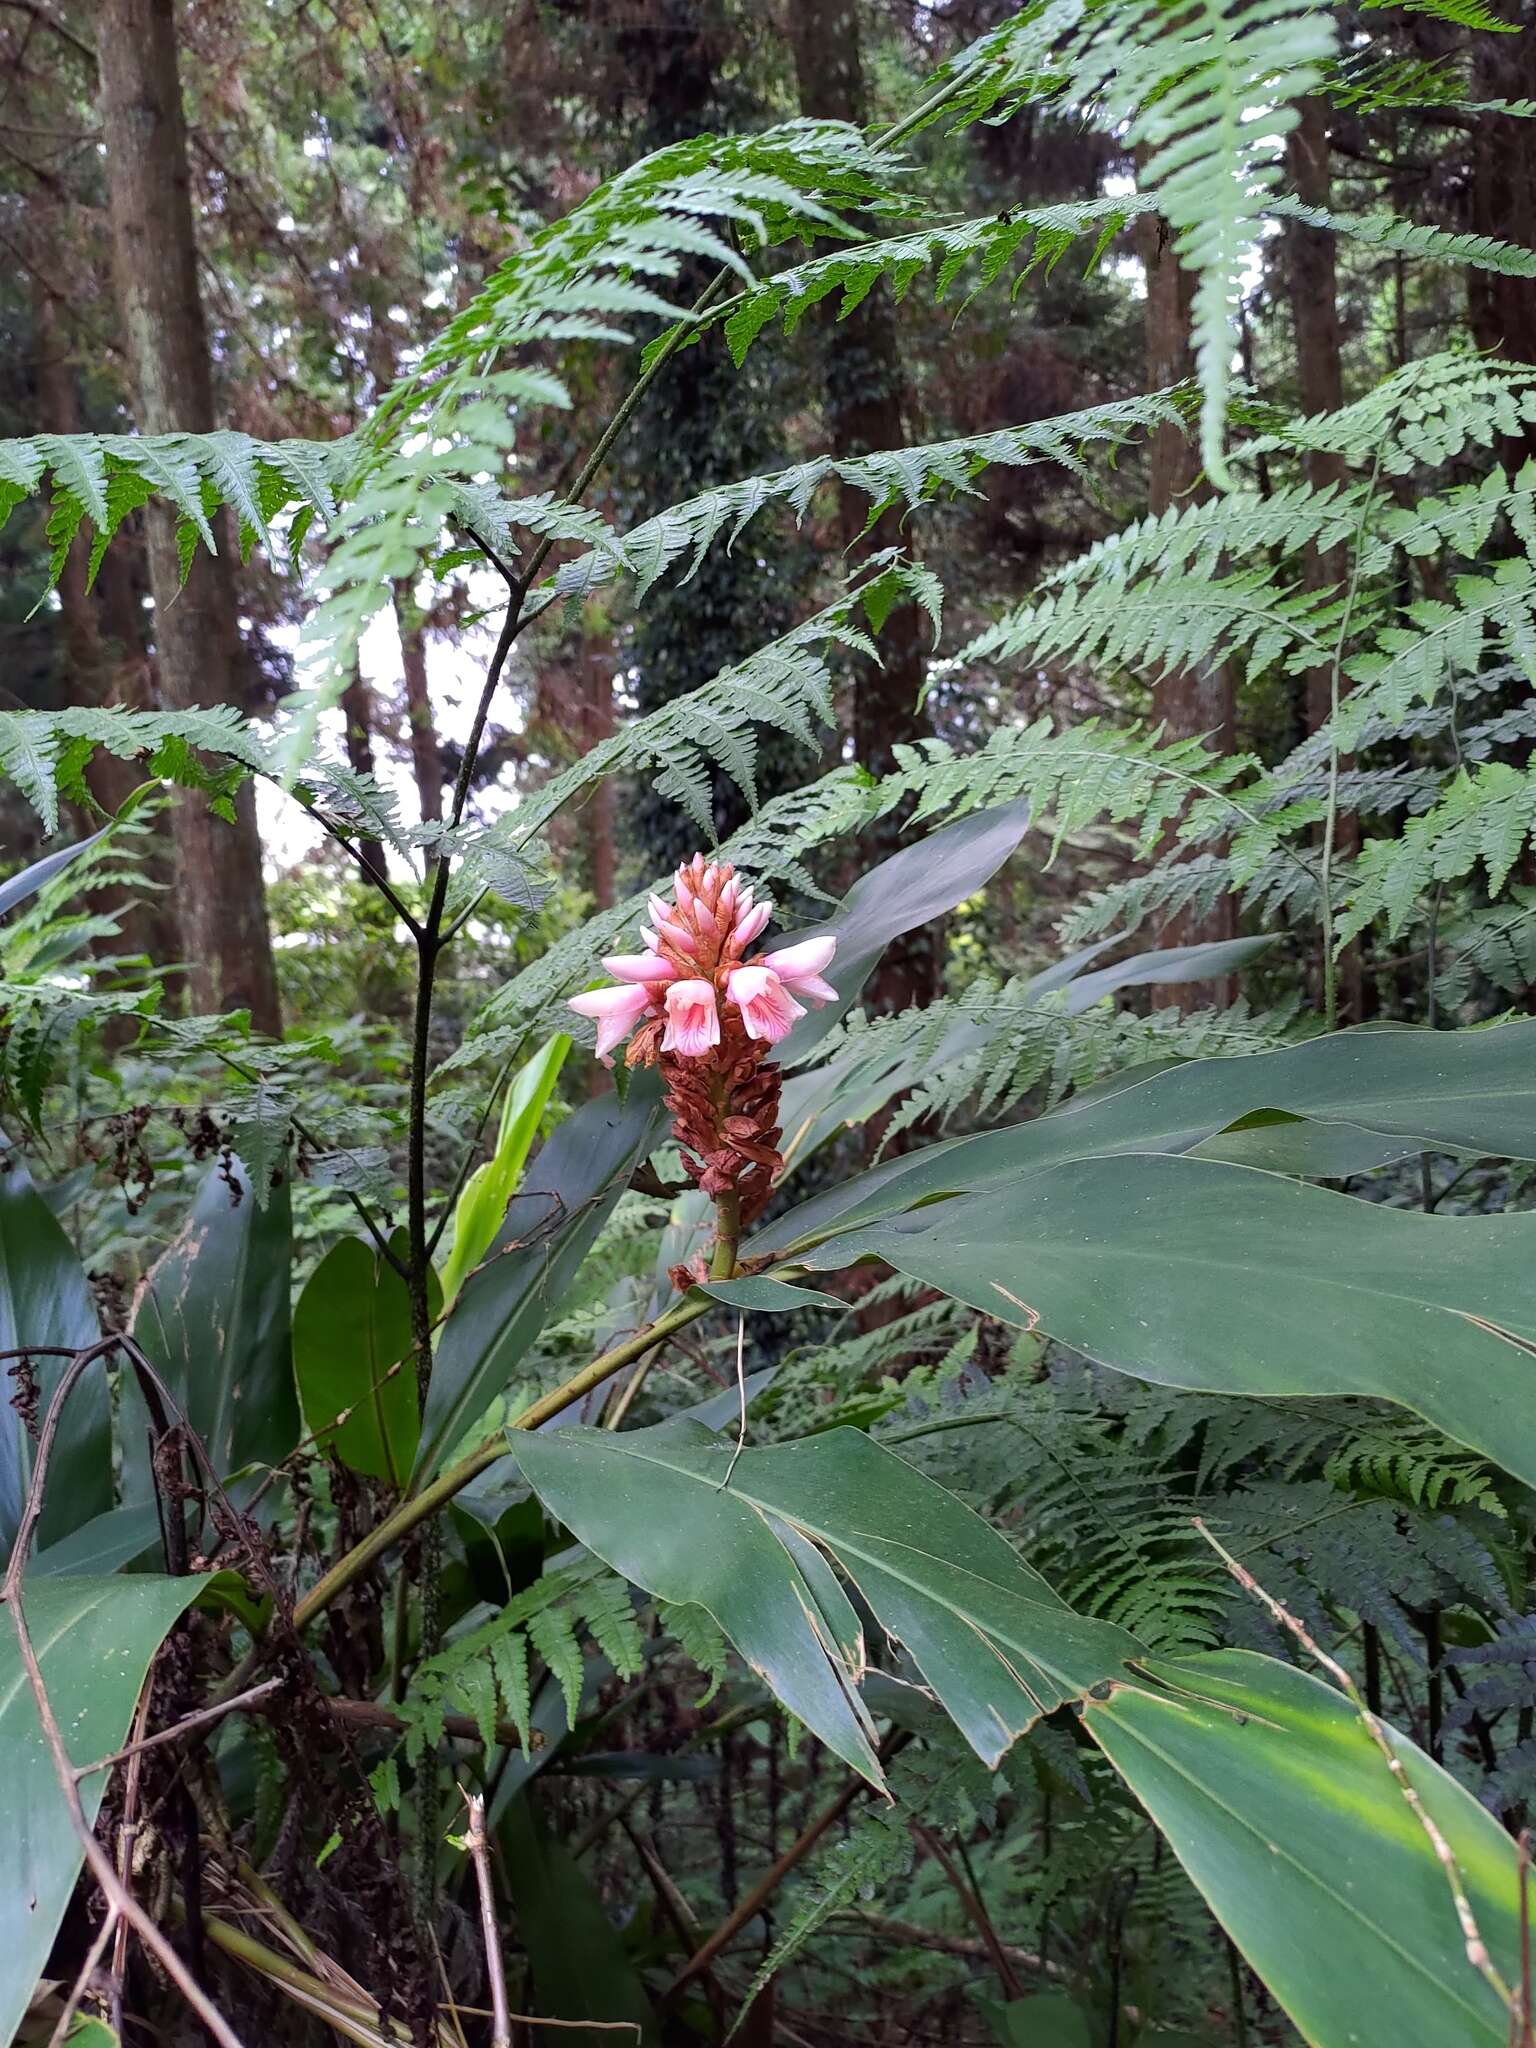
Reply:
x=1226, y=1280
x=1469, y=1091
x=45, y=1298
x=994, y=1643
x=566, y=1197
x=352, y=1358
x=94, y=1640
x=1284, y=1813
x=913, y=887
x=581, y=1970
x=213, y=1318
x=479, y=1211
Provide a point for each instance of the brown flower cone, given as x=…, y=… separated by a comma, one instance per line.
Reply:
x=726, y=1114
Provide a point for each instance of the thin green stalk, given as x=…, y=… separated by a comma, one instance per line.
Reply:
x=413, y=1512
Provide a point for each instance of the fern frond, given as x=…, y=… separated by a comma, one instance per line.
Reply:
x=1368, y=84
x=1088, y=774
x=1160, y=624
x=1191, y=537
x=485, y=1672
x=1209, y=90
x=1420, y=417
x=908, y=476
x=1438, y=641
x=1486, y=816
x=1042, y=234
x=675, y=205
x=44, y=752
x=697, y=1635
x=97, y=480
x=1407, y=238
x=1461, y=520
x=1497, y=945
x=1280, y=889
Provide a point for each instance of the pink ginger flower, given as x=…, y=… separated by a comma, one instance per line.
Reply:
x=799, y=968
x=693, y=1019
x=617, y=1010
x=697, y=989
x=768, y=1010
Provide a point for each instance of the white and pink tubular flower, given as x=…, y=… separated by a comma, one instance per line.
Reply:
x=698, y=976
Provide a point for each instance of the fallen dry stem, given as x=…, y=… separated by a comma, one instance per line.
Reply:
x=1476, y=1947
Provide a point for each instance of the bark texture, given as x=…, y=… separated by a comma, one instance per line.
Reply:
x=105, y=658
x=1197, y=701
x=199, y=658
x=1313, y=284
x=865, y=407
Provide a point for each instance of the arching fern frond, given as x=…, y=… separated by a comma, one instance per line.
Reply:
x=908, y=476
x=1486, y=816
x=1420, y=417
x=1189, y=537
x=981, y=251
x=786, y=686
x=676, y=205
x=1407, y=238
x=96, y=480
x=1208, y=91
x=486, y=1672
x=1162, y=623
x=1091, y=773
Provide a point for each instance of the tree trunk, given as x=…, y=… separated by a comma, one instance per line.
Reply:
x=357, y=715
x=197, y=642
x=1502, y=310
x=104, y=656
x=426, y=760
x=1196, y=701
x=1313, y=282
x=865, y=400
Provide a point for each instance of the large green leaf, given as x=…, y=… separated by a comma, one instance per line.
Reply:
x=213, y=1316
x=580, y=1968
x=479, y=1211
x=45, y=1298
x=1286, y=1816
x=912, y=888
x=94, y=1640
x=1222, y=1278
x=18, y=887
x=992, y=1640
x=352, y=1358
x=549, y=1228
x=1463, y=1090
x=865, y=1074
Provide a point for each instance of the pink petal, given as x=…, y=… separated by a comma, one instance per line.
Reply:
x=768, y=1010
x=645, y=967
x=748, y=927
x=693, y=1021
x=799, y=967
x=617, y=1011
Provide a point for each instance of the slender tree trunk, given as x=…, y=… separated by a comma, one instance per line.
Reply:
x=865, y=402
x=1502, y=310
x=1313, y=282
x=197, y=641
x=1196, y=701
x=426, y=760
x=103, y=666
x=357, y=713
x=597, y=658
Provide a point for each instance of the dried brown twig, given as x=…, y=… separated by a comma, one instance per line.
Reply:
x=1476, y=1947
x=119, y=1898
